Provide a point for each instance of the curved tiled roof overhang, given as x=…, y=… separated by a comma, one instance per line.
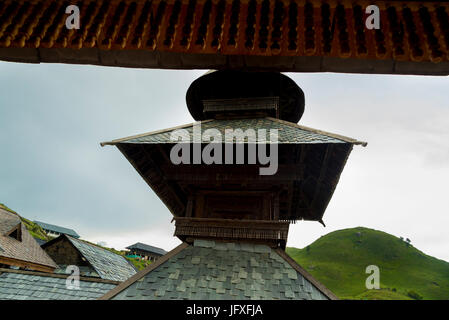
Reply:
x=281, y=35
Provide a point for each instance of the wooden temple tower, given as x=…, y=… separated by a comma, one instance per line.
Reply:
x=232, y=216
x=234, y=221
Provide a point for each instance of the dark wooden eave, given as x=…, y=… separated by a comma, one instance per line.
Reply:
x=25, y=264
x=307, y=177
x=282, y=35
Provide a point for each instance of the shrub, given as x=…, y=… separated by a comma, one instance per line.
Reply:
x=414, y=295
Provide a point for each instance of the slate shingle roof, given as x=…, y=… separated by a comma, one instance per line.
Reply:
x=54, y=228
x=17, y=285
x=411, y=31
x=85, y=271
x=106, y=263
x=288, y=133
x=27, y=249
x=209, y=270
x=146, y=247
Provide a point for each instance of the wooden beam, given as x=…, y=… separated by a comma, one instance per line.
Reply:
x=294, y=205
x=25, y=264
x=229, y=173
x=276, y=206
x=189, y=209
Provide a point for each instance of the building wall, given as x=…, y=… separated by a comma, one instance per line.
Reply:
x=52, y=234
x=63, y=253
x=145, y=254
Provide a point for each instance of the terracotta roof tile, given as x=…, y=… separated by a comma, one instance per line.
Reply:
x=410, y=31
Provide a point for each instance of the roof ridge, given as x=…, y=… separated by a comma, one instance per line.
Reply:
x=317, y=131
x=90, y=244
x=71, y=239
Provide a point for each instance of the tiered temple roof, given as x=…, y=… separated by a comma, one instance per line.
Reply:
x=310, y=163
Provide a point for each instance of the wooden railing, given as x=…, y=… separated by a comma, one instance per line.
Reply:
x=275, y=232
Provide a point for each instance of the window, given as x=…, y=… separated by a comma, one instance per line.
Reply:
x=16, y=232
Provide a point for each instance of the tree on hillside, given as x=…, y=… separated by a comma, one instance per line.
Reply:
x=414, y=295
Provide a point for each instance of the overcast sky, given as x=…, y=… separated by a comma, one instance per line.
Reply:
x=52, y=168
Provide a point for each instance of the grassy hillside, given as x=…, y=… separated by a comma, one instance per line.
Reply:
x=4, y=207
x=140, y=264
x=339, y=260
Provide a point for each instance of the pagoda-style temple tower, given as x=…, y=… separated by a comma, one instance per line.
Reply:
x=232, y=219
x=234, y=181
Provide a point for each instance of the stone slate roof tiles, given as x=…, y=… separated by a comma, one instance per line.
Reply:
x=85, y=271
x=54, y=228
x=288, y=133
x=20, y=285
x=107, y=264
x=209, y=270
x=146, y=247
x=27, y=249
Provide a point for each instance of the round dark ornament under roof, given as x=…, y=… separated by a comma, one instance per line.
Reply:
x=245, y=93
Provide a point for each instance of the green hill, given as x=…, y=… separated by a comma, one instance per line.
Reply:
x=339, y=260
